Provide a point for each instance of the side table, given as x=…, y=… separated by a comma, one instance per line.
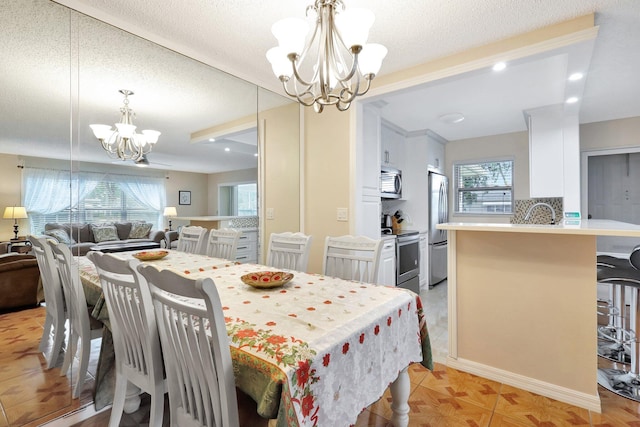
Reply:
x=20, y=246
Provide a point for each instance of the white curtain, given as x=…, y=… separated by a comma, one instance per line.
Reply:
x=149, y=191
x=49, y=191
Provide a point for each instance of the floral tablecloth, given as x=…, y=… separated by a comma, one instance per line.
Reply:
x=318, y=350
x=337, y=344
x=179, y=261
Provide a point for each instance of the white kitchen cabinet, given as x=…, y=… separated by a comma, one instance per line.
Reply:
x=435, y=150
x=387, y=269
x=247, y=251
x=391, y=146
x=424, y=262
x=367, y=207
x=546, y=152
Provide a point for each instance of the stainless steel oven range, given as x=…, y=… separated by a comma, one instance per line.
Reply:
x=408, y=260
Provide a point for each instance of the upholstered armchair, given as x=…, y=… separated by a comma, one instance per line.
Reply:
x=20, y=284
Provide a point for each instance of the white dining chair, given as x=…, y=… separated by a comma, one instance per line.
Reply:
x=223, y=243
x=135, y=334
x=191, y=239
x=289, y=251
x=55, y=312
x=352, y=258
x=200, y=377
x=84, y=327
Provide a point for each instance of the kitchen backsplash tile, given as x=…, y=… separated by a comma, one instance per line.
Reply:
x=540, y=215
x=244, y=222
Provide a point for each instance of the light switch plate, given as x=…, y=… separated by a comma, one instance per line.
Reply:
x=270, y=213
x=342, y=214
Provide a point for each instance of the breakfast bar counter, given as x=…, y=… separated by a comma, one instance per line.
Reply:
x=522, y=304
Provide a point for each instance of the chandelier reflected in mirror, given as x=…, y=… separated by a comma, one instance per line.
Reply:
x=124, y=142
x=337, y=57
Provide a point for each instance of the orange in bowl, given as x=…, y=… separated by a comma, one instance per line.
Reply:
x=150, y=255
x=266, y=279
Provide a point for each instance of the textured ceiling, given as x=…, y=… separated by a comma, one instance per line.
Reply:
x=175, y=96
x=234, y=36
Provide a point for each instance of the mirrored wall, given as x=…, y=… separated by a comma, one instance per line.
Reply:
x=63, y=71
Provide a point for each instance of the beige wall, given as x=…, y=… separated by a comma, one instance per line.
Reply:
x=327, y=177
x=526, y=305
x=622, y=133
x=197, y=183
x=280, y=129
x=495, y=147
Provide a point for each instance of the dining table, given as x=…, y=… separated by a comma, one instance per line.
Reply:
x=315, y=351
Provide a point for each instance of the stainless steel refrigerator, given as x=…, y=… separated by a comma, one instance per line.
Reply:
x=438, y=213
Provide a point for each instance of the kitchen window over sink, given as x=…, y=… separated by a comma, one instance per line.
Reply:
x=484, y=187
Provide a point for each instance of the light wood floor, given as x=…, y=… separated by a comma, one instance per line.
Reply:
x=31, y=395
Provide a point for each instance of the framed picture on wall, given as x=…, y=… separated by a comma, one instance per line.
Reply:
x=184, y=197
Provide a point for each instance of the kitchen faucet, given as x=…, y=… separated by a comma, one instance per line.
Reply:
x=553, y=213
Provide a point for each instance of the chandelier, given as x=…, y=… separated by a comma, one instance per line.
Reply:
x=340, y=63
x=124, y=142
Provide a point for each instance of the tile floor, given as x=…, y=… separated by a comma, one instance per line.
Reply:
x=31, y=395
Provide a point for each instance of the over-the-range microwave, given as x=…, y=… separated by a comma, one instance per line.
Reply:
x=390, y=183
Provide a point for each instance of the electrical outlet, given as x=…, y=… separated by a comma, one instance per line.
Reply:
x=342, y=214
x=270, y=213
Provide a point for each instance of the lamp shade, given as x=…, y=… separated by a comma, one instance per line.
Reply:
x=15, y=212
x=353, y=25
x=280, y=64
x=170, y=211
x=291, y=34
x=371, y=58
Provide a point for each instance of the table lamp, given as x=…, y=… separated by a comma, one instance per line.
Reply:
x=169, y=212
x=15, y=213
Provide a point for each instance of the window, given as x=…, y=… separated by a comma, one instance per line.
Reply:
x=57, y=196
x=484, y=188
x=238, y=200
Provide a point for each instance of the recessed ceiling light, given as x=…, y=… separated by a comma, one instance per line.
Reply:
x=451, y=118
x=227, y=149
x=499, y=66
x=572, y=100
x=212, y=139
x=255, y=155
x=575, y=76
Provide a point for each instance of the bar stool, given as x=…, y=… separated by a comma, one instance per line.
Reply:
x=626, y=383
x=613, y=335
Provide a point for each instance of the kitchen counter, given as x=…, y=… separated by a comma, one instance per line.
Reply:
x=208, y=218
x=217, y=221
x=522, y=304
x=595, y=227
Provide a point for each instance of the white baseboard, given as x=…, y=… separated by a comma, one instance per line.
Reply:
x=83, y=413
x=553, y=391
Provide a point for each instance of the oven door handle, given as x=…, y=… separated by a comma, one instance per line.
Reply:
x=403, y=240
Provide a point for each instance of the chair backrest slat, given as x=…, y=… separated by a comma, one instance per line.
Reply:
x=289, y=251
x=195, y=346
x=133, y=321
x=191, y=239
x=352, y=258
x=223, y=243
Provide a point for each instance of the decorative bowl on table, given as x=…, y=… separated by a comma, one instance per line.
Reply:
x=150, y=255
x=266, y=279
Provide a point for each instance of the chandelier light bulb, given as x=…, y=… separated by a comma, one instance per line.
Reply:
x=334, y=64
